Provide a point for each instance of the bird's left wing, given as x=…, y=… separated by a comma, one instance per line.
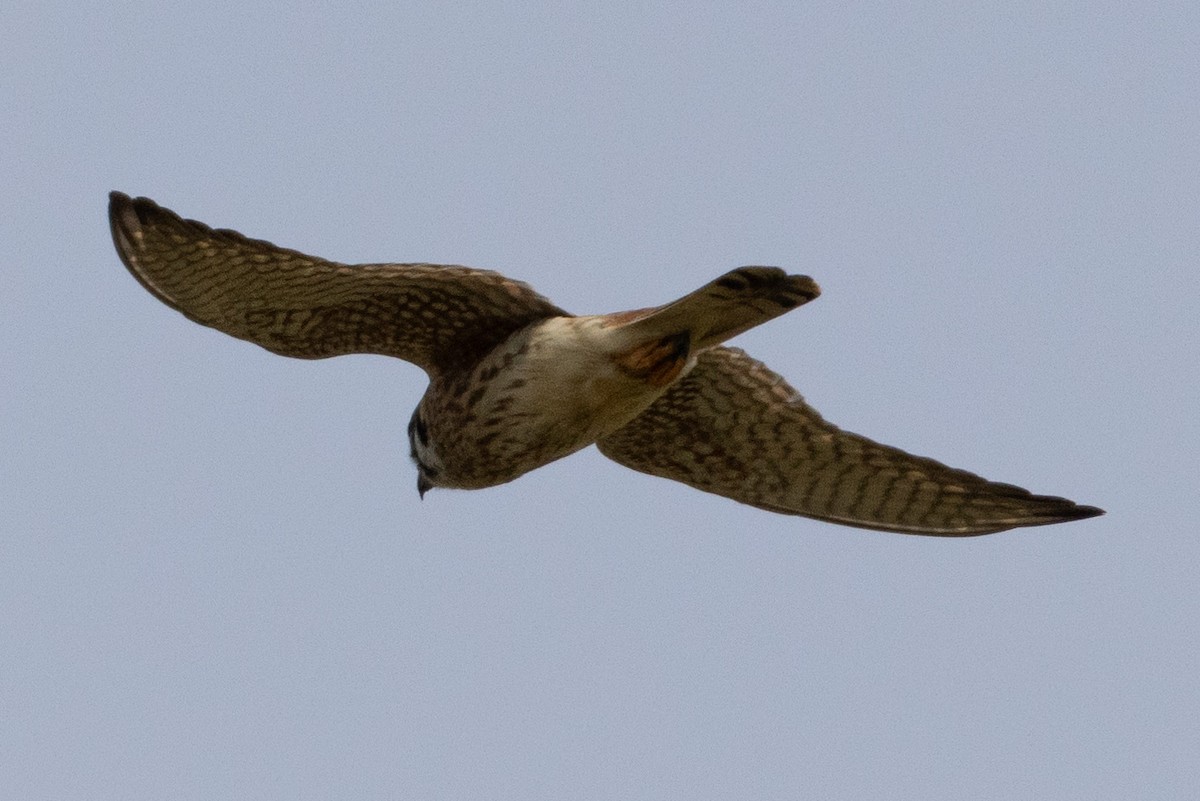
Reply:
x=436, y=316
x=735, y=428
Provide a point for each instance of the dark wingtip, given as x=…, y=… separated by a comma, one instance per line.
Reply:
x=122, y=207
x=127, y=219
x=128, y=209
x=1082, y=513
x=122, y=220
x=805, y=286
x=1060, y=510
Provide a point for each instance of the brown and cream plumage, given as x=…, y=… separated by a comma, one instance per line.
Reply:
x=516, y=382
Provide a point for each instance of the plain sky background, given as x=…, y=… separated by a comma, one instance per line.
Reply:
x=216, y=578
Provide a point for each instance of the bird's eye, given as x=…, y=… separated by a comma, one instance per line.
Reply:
x=417, y=430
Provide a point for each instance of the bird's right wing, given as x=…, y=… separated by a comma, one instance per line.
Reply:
x=436, y=316
x=735, y=428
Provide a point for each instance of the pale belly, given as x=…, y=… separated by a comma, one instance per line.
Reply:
x=548, y=392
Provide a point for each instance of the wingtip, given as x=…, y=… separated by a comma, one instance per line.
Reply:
x=123, y=209
x=1083, y=512
x=128, y=219
x=128, y=210
x=807, y=286
x=1062, y=511
x=123, y=221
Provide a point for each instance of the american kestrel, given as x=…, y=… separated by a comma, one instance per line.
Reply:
x=516, y=382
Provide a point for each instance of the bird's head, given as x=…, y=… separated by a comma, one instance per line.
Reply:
x=423, y=454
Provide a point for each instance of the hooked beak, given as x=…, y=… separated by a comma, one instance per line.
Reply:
x=423, y=486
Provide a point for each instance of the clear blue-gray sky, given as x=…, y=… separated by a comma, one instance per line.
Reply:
x=216, y=578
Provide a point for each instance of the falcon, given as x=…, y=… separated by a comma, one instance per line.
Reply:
x=515, y=382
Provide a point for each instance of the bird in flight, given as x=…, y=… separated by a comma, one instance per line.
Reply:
x=515, y=382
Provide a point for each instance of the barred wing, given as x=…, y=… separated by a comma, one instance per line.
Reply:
x=735, y=428
x=437, y=316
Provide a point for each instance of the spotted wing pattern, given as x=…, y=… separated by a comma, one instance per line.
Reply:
x=437, y=316
x=735, y=428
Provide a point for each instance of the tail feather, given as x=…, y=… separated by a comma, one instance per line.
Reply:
x=724, y=308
